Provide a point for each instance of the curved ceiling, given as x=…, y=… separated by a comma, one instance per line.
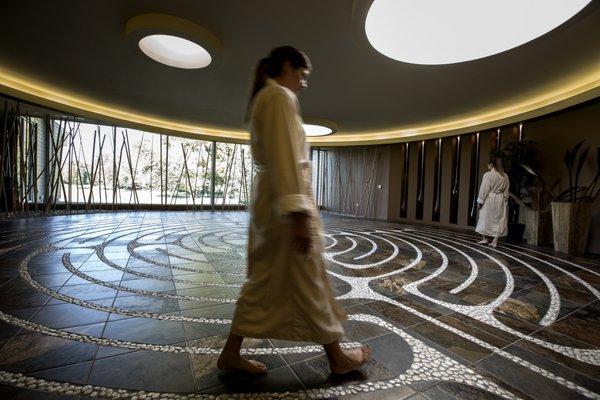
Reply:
x=75, y=56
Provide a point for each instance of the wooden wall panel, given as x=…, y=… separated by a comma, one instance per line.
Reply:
x=395, y=178
x=446, y=180
x=357, y=181
x=405, y=184
x=429, y=179
x=474, y=160
x=413, y=167
x=465, y=175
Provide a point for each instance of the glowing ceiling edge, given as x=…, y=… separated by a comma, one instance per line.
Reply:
x=578, y=89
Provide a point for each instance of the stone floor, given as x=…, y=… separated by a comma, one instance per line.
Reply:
x=137, y=305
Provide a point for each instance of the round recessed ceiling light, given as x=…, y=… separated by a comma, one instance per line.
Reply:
x=443, y=32
x=316, y=130
x=175, y=51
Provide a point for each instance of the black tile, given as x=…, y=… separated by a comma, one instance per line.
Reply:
x=144, y=330
x=144, y=370
x=392, y=352
x=32, y=351
x=525, y=380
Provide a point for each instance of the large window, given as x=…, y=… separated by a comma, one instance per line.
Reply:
x=233, y=174
x=109, y=165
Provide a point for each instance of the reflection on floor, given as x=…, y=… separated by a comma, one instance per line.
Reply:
x=137, y=305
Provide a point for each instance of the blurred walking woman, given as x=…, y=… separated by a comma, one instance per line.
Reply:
x=492, y=203
x=287, y=294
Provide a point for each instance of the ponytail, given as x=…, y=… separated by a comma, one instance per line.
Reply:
x=260, y=76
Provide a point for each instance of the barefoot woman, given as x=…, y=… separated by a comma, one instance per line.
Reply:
x=491, y=203
x=287, y=295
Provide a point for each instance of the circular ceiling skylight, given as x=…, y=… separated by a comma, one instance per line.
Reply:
x=175, y=51
x=316, y=130
x=444, y=32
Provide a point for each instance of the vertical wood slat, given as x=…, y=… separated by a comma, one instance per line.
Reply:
x=474, y=178
x=405, y=175
x=420, y=193
x=437, y=182
x=213, y=177
x=455, y=182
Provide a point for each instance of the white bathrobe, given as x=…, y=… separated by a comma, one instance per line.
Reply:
x=493, y=194
x=287, y=295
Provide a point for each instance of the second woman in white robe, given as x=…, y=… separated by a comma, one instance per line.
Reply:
x=493, y=198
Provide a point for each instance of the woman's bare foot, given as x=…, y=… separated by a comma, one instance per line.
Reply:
x=241, y=364
x=350, y=360
x=482, y=241
x=494, y=243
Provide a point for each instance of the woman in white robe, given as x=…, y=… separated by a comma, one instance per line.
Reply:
x=287, y=294
x=492, y=203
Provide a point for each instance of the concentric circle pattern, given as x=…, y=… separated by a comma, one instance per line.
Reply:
x=138, y=305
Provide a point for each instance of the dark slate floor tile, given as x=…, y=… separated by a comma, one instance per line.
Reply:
x=32, y=351
x=392, y=352
x=144, y=370
x=89, y=291
x=145, y=330
x=143, y=303
x=7, y=330
x=583, y=325
x=315, y=373
x=555, y=367
x=66, y=315
x=281, y=379
x=525, y=380
x=16, y=393
x=450, y=341
x=74, y=373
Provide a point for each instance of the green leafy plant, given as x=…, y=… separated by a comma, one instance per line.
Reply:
x=574, y=161
x=513, y=155
x=541, y=194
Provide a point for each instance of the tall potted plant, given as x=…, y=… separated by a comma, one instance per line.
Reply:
x=513, y=155
x=572, y=211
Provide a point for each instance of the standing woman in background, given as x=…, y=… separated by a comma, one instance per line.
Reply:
x=492, y=203
x=287, y=295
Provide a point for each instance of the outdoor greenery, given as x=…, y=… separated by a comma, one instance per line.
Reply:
x=149, y=168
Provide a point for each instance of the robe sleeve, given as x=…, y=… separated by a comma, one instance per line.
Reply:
x=484, y=189
x=506, y=191
x=284, y=154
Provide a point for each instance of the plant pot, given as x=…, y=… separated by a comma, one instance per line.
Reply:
x=515, y=232
x=571, y=226
x=538, y=228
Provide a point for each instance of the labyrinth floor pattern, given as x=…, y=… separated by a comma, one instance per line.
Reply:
x=137, y=306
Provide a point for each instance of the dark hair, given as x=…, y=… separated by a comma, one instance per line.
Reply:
x=497, y=163
x=271, y=67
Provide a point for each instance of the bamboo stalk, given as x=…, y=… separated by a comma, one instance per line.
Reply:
x=187, y=173
x=208, y=155
x=57, y=181
x=136, y=163
x=95, y=171
x=176, y=189
x=230, y=165
x=132, y=192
